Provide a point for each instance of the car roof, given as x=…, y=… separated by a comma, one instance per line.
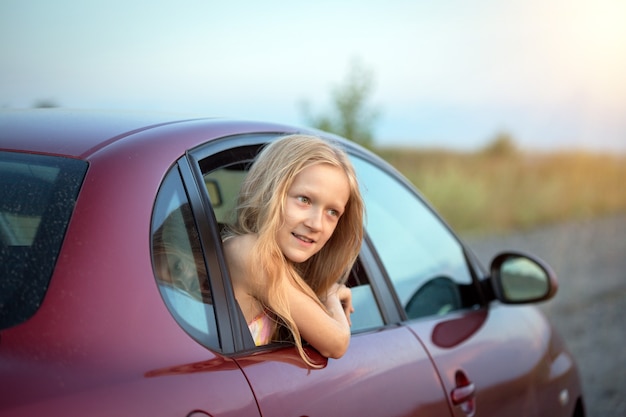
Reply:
x=74, y=133
x=82, y=134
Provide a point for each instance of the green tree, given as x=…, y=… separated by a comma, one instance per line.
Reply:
x=46, y=103
x=350, y=115
x=501, y=145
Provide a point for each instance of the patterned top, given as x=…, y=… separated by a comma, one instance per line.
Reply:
x=261, y=329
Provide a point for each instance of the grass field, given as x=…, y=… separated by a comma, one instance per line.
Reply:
x=485, y=193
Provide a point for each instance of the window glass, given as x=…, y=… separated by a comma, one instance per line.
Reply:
x=37, y=196
x=366, y=313
x=425, y=262
x=179, y=264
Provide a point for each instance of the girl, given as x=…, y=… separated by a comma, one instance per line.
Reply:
x=298, y=230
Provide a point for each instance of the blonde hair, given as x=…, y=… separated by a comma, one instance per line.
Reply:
x=260, y=210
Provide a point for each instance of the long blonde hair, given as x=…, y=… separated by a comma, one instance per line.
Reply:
x=260, y=210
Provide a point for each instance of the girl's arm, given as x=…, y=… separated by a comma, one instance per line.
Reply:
x=328, y=334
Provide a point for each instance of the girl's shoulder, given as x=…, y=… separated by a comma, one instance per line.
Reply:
x=240, y=244
x=237, y=250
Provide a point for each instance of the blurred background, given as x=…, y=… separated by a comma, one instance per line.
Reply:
x=509, y=116
x=448, y=73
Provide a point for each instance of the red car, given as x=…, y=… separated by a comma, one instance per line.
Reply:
x=115, y=299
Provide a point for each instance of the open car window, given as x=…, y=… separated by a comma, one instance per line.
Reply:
x=223, y=174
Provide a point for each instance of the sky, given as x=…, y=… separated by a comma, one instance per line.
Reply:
x=446, y=73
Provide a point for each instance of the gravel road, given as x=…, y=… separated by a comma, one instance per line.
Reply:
x=589, y=259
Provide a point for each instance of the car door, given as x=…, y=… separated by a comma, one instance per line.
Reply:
x=386, y=371
x=493, y=359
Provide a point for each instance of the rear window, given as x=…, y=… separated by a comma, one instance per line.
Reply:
x=37, y=195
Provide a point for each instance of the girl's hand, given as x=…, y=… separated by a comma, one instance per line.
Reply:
x=344, y=295
x=326, y=329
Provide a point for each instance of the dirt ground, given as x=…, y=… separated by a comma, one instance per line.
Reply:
x=589, y=259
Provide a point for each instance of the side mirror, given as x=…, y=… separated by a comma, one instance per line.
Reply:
x=519, y=278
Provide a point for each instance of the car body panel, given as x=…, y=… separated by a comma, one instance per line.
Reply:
x=103, y=295
x=482, y=342
x=479, y=342
x=103, y=341
x=362, y=382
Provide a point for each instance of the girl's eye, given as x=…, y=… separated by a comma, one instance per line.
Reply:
x=303, y=199
x=333, y=213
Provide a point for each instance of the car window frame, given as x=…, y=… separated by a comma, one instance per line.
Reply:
x=232, y=327
x=229, y=326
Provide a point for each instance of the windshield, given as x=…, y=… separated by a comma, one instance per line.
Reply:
x=37, y=195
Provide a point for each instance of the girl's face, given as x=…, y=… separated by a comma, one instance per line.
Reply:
x=315, y=201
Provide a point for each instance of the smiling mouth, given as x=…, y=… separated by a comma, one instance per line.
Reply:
x=303, y=238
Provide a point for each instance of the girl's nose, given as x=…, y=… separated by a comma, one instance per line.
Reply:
x=314, y=220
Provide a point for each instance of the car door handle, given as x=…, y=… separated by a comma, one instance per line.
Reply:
x=462, y=394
